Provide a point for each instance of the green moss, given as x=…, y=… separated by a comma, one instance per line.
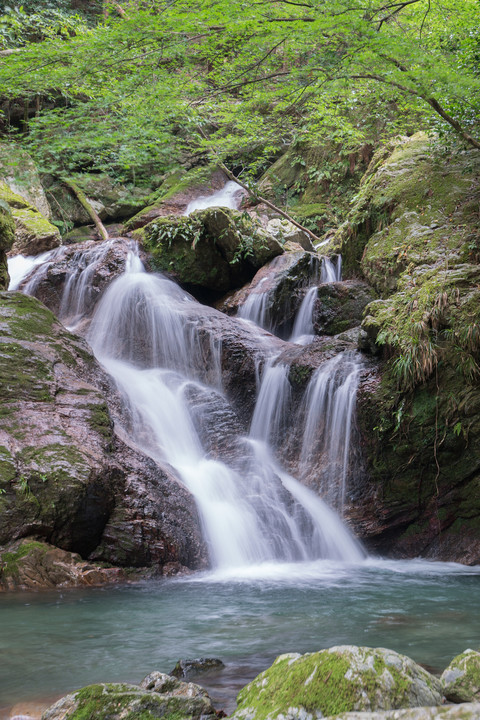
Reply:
x=23, y=375
x=100, y=420
x=300, y=375
x=24, y=318
x=9, y=560
x=285, y=685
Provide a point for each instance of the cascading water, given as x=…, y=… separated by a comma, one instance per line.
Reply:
x=229, y=196
x=329, y=406
x=251, y=514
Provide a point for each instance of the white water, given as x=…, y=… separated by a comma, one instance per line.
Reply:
x=329, y=405
x=251, y=515
x=229, y=196
x=303, y=330
x=20, y=267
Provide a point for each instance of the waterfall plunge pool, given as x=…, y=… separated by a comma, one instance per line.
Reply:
x=54, y=642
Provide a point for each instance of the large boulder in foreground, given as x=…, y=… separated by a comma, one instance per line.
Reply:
x=461, y=679
x=338, y=680
x=158, y=696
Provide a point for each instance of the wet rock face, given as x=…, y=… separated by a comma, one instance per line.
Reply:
x=282, y=283
x=338, y=680
x=90, y=265
x=340, y=306
x=33, y=231
x=158, y=696
x=65, y=477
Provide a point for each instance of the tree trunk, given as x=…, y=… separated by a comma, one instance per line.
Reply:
x=87, y=206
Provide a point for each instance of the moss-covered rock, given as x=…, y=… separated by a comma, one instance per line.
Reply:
x=20, y=173
x=461, y=679
x=466, y=711
x=7, y=238
x=158, y=696
x=33, y=231
x=111, y=200
x=214, y=249
x=337, y=680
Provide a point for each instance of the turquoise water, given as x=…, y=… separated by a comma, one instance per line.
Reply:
x=54, y=642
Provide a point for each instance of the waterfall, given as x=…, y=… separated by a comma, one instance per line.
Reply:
x=229, y=196
x=329, y=406
x=251, y=513
x=303, y=330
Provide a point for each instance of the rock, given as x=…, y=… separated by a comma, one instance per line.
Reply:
x=338, y=680
x=158, y=696
x=470, y=711
x=65, y=477
x=175, y=193
x=28, y=564
x=214, y=250
x=186, y=668
x=285, y=231
x=281, y=282
x=7, y=237
x=33, y=232
x=340, y=306
x=110, y=199
x=461, y=679
x=19, y=172
x=100, y=263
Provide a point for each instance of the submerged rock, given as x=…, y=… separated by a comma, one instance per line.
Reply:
x=157, y=696
x=461, y=679
x=186, y=668
x=337, y=680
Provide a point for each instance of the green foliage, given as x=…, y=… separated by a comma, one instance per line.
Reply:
x=241, y=80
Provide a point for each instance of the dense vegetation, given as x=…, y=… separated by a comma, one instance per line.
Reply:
x=139, y=84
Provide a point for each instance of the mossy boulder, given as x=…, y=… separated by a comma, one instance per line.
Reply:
x=111, y=200
x=466, y=711
x=19, y=172
x=337, y=680
x=415, y=207
x=34, y=233
x=158, y=696
x=461, y=679
x=215, y=249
